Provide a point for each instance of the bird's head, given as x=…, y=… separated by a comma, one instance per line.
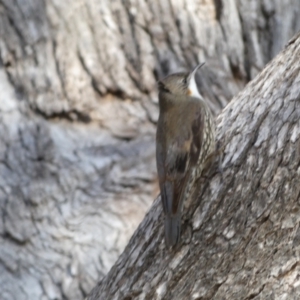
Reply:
x=180, y=84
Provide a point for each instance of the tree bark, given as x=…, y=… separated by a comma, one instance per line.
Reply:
x=78, y=106
x=240, y=239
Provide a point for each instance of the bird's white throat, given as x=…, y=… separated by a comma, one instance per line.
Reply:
x=193, y=90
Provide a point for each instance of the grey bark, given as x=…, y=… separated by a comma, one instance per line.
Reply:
x=241, y=236
x=78, y=107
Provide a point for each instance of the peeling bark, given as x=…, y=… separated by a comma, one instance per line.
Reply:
x=78, y=107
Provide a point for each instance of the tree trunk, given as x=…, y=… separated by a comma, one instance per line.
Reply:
x=78, y=106
x=241, y=236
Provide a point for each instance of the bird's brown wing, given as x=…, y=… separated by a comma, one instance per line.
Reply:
x=176, y=163
x=175, y=157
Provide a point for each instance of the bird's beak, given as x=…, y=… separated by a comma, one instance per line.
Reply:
x=193, y=73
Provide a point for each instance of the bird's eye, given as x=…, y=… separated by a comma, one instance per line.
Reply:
x=162, y=87
x=184, y=81
x=166, y=90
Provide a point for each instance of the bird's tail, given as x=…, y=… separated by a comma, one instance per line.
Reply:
x=172, y=230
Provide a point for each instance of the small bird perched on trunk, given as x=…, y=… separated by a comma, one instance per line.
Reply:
x=185, y=139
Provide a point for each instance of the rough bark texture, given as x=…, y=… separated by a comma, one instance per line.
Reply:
x=241, y=238
x=78, y=107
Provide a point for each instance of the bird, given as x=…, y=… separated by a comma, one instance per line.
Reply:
x=185, y=142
